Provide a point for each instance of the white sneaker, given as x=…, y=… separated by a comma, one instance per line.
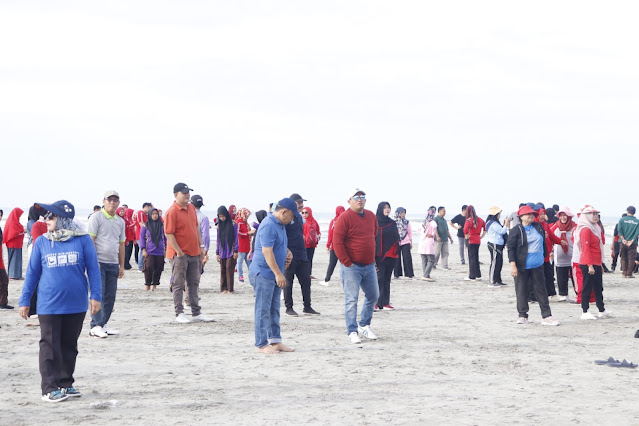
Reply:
x=469, y=279
x=554, y=298
x=549, y=321
x=97, y=331
x=367, y=332
x=201, y=318
x=605, y=314
x=588, y=316
x=110, y=331
x=429, y=279
x=478, y=279
x=182, y=319
x=354, y=338
x=522, y=320
x=563, y=298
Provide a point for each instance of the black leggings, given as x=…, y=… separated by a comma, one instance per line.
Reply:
x=473, y=261
x=385, y=267
x=331, y=265
x=592, y=283
x=404, y=257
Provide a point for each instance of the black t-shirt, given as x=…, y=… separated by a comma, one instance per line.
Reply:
x=459, y=220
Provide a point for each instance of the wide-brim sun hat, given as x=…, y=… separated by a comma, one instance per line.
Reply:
x=565, y=210
x=494, y=210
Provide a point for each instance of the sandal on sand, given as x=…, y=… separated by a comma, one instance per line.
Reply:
x=610, y=360
x=624, y=364
x=637, y=334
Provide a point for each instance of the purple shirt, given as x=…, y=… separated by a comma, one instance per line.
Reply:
x=147, y=243
x=223, y=250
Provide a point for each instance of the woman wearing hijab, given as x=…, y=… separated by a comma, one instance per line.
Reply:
x=551, y=240
x=329, y=244
x=61, y=261
x=564, y=229
x=405, y=245
x=38, y=229
x=386, y=245
x=4, y=278
x=153, y=243
x=588, y=237
x=13, y=239
x=526, y=252
x=426, y=247
x=312, y=235
x=496, y=236
x=244, y=233
x=260, y=215
x=35, y=213
x=227, y=247
x=474, y=231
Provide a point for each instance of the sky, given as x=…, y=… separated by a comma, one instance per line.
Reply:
x=418, y=103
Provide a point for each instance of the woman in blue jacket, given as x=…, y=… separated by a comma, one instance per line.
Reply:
x=61, y=261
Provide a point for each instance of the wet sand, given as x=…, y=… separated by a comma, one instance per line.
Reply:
x=451, y=353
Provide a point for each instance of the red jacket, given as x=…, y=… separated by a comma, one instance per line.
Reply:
x=311, y=223
x=13, y=230
x=243, y=238
x=338, y=211
x=551, y=239
x=590, y=248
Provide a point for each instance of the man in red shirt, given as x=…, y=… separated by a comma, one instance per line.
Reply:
x=186, y=250
x=354, y=245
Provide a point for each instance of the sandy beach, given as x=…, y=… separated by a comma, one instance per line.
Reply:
x=451, y=353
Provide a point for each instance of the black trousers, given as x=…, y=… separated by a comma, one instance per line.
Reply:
x=58, y=349
x=301, y=268
x=128, y=250
x=592, y=283
x=616, y=247
x=563, y=274
x=386, y=267
x=33, y=303
x=473, y=261
x=310, y=253
x=496, y=262
x=536, y=278
x=549, y=277
x=404, y=257
x=332, y=263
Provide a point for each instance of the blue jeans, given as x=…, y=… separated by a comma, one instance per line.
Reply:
x=140, y=258
x=109, y=276
x=241, y=258
x=267, y=310
x=355, y=277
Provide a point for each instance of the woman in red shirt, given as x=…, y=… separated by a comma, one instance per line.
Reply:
x=13, y=238
x=588, y=238
x=473, y=231
x=244, y=232
x=312, y=235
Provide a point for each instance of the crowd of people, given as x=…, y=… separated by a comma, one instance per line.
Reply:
x=72, y=270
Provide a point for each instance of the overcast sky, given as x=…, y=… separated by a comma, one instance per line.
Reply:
x=418, y=103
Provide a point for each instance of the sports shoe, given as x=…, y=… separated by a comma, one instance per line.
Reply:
x=354, y=338
x=6, y=307
x=587, y=316
x=494, y=285
x=522, y=320
x=55, y=396
x=201, y=318
x=389, y=307
x=72, y=392
x=367, y=332
x=605, y=314
x=429, y=279
x=478, y=278
x=376, y=308
x=549, y=321
x=241, y=278
x=310, y=311
x=445, y=268
x=554, y=298
x=563, y=298
x=290, y=312
x=182, y=319
x=469, y=279
x=97, y=331
x=110, y=331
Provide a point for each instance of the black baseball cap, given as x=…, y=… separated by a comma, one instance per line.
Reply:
x=181, y=187
x=296, y=197
x=197, y=201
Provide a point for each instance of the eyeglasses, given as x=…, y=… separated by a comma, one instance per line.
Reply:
x=49, y=216
x=304, y=212
x=359, y=197
x=113, y=200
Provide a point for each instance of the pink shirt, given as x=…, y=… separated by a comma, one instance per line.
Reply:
x=427, y=244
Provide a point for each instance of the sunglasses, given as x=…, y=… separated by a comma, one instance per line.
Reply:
x=304, y=212
x=359, y=197
x=49, y=216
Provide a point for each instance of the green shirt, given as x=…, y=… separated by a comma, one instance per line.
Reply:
x=442, y=227
x=628, y=228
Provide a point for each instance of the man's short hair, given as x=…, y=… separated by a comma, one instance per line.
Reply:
x=147, y=205
x=464, y=207
x=521, y=205
x=96, y=207
x=631, y=209
x=440, y=208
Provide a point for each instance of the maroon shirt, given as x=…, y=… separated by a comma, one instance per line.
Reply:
x=354, y=237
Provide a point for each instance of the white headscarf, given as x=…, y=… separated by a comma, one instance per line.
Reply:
x=586, y=220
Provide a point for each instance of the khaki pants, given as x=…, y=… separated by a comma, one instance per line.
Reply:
x=186, y=273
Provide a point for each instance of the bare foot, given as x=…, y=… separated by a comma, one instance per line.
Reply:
x=148, y=287
x=155, y=287
x=269, y=350
x=282, y=348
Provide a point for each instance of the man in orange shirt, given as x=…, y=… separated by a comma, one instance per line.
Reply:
x=186, y=250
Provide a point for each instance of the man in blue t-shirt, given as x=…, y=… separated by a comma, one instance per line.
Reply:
x=270, y=258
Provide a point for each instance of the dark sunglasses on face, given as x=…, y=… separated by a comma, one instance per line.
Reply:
x=49, y=216
x=359, y=197
x=304, y=212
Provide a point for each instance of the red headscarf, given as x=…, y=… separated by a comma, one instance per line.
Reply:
x=13, y=230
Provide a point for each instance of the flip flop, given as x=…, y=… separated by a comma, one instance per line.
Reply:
x=637, y=334
x=610, y=360
x=624, y=364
